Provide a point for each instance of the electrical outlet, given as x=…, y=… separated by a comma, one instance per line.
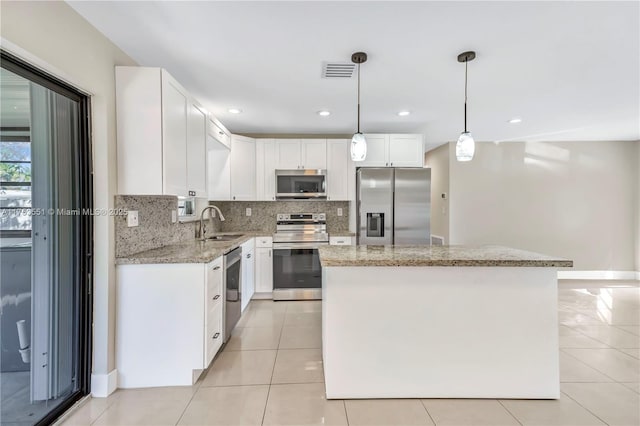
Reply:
x=248, y=211
x=339, y=211
x=132, y=218
x=174, y=216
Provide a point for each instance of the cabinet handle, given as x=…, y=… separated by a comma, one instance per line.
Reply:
x=216, y=268
x=340, y=241
x=392, y=164
x=215, y=336
x=249, y=255
x=234, y=198
x=220, y=133
x=216, y=297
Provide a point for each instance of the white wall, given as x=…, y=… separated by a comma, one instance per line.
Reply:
x=438, y=160
x=577, y=200
x=54, y=37
x=638, y=208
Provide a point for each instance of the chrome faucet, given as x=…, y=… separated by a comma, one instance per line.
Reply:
x=201, y=232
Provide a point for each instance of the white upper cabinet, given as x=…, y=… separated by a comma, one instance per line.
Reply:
x=243, y=168
x=406, y=150
x=161, y=135
x=287, y=154
x=266, y=169
x=394, y=150
x=196, y=148
x=313, y=154
x=339, y=166
x=377, y=149
x=218, y=133
x=301, y=154
x=175, y=110
x=218, y=170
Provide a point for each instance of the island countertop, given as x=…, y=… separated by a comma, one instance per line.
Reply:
x=487, y=255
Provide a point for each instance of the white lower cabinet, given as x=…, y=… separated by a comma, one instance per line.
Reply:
x=247, y=279
x=340, y=241
x=169, y=322
x=264, y=267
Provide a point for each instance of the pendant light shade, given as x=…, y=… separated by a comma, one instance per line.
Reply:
x=358, y=147
x=358, y=142
x=466, y=146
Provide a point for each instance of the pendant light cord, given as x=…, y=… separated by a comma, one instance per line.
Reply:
x=465, y=95
x=358, y=98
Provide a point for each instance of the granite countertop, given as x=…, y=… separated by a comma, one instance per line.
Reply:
x=192, y=251
x=435, y=256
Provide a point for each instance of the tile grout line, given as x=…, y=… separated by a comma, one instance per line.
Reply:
x=594, y=368
x=427, y=410
x=264, y=411
x=578, y=402
x=344, y=405
x=509, y=411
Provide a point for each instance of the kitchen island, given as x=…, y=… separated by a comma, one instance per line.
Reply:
x=439, y=322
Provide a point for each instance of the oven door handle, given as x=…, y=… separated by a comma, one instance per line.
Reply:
x=290, y=246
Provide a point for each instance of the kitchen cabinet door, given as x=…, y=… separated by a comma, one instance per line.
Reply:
x=175, y=102
x=406, y=150
x=248, y=273
x=269, y=170
x=377, y=151
x=264, y=270
x=196, y=149
x=338, y=156
x=288, y=154
x=313, y=154
x=243, y=168
x=218, y=171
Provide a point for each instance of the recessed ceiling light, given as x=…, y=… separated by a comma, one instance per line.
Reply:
x=515, y=120
x=234, y=110
x=404, y=113
x=324, y=113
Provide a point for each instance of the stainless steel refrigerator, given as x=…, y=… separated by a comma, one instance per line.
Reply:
x=394, y=206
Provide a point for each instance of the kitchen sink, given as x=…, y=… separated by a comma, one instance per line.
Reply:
x=227, y=237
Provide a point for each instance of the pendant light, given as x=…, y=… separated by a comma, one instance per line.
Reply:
x=358, y=142
x=466, y=146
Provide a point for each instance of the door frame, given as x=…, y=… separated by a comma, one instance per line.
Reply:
x=84, y=251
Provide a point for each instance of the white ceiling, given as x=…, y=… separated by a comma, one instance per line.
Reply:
x=571, y=70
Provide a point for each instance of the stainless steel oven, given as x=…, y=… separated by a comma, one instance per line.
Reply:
x=301, y=184
x=297, y=273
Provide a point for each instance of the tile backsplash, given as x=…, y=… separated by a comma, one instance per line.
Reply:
x=155, y=228
x=263, y=214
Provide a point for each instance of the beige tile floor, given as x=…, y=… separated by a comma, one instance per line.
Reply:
x=271, y=373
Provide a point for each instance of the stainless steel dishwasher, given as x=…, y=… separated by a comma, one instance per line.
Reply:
x=233, y=290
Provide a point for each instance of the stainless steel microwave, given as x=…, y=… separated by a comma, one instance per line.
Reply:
x=301, y=184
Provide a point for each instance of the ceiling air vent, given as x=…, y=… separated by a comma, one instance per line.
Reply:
x=338, y=69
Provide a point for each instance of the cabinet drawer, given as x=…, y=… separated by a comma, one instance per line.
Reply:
x=340, y=241
x=213, y=335
x=264, y=242
x=214, y=278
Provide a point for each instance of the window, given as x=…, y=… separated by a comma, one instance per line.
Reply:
x=15, y=185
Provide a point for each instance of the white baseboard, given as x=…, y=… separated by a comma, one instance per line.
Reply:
x=598, y=275
x=103, y=385
x=262, y=296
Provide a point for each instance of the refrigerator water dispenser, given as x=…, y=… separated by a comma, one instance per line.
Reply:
x=375, y=224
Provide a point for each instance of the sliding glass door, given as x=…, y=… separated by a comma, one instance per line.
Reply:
x=45, y=244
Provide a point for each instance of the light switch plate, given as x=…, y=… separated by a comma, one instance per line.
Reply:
x=339, y=211
x=132, y=218
x=248, y=211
